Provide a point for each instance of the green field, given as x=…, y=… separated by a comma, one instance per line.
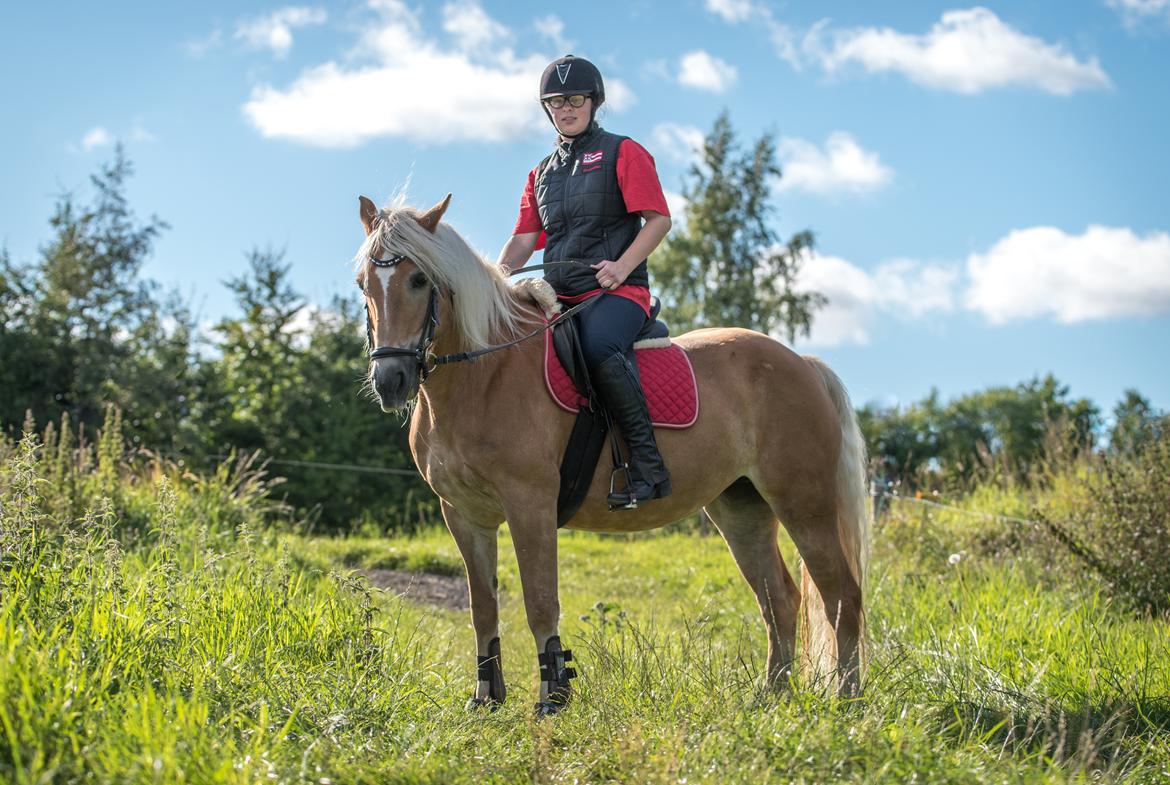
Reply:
x=159, y=627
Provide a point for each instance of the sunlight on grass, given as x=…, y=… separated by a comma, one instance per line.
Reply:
x=148, y=638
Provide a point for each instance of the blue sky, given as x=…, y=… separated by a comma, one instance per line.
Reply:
x=987, y=184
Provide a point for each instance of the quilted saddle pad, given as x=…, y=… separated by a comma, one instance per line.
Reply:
x=668, y=380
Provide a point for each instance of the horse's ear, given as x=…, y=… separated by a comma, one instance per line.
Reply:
x=430, y=219
x=368, y=212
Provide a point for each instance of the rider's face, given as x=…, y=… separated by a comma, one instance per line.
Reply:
x=570, y=120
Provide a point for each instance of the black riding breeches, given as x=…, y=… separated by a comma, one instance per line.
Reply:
x=608, y=327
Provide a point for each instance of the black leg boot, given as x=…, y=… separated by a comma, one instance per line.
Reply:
x=554, y=676
x=616, y=379
x=489, y=669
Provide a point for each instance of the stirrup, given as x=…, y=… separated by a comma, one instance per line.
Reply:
x=631, y=502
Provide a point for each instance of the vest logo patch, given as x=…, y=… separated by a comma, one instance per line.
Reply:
x=591, y=158
x=563, y=71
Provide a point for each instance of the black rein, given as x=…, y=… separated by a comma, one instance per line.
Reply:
x=427, y=361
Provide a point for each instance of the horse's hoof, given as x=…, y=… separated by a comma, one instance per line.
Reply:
x=547, y=709
x=480, y=704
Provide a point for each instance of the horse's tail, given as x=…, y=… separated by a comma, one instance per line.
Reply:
x=818, y=637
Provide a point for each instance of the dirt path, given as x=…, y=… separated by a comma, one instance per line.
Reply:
x=443, y=591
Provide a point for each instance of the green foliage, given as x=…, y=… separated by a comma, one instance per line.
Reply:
x=725, y=265
x=293, y=390
x=1122, y=530
x=80, y=329
x=238, y=656
x=1000, y=431
x=1136, y=424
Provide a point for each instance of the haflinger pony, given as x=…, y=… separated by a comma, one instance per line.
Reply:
x=776, y=441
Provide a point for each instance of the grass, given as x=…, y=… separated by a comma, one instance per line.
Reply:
x=168, y=632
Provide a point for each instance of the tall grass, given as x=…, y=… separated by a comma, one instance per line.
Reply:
x=161, y=627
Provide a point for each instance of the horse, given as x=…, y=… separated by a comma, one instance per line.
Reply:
x=776, y=442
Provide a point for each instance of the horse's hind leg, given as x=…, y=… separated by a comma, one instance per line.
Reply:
x=478, y=546
x=819, y=543
x=749, y=527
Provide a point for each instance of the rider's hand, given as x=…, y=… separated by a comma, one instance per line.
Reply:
x=610, y=274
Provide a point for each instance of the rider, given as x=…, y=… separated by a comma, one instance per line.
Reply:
x=597, y=199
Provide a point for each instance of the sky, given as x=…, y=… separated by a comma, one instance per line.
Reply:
x=987, y=184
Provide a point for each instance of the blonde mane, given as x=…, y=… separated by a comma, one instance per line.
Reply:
x=486, y=309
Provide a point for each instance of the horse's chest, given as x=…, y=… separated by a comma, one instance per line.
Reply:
x=451, y=470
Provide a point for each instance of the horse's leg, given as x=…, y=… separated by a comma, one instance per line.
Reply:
x=478, y=546
x=827, y=565
x=749, y=527
x=534, y=534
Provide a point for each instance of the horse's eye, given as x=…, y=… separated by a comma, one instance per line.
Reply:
x=418, y=281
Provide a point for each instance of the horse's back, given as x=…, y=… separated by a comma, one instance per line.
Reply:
x=733, y=354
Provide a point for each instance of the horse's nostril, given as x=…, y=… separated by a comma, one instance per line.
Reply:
x=399, y=381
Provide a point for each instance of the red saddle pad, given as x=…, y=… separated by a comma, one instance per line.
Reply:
x=668, y=380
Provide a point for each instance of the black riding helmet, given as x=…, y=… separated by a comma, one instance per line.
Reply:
x=572, y=75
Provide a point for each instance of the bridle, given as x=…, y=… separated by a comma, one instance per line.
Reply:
x=424, y=358
x=427, y=361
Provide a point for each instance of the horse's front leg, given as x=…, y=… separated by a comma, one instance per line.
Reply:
x=534, y=533
x=478, y=546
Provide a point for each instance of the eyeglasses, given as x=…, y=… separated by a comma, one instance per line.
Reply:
x=558, y=101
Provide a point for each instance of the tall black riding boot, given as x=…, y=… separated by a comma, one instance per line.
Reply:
x=616, y=378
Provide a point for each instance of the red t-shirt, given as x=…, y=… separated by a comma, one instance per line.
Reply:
x=638, y=180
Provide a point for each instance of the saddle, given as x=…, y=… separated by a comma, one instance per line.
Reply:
x=668, y=381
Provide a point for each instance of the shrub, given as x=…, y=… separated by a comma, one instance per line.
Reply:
x=1122, y=531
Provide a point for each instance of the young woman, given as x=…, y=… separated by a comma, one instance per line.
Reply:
x=597, y=200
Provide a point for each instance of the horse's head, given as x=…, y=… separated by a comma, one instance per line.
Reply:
x=402, y=302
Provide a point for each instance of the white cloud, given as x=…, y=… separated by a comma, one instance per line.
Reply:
x=472, y=29
x=140, y=134
x=842, y=166
x=1031, y=273
x=552, y=28
x=1134, y=11
x=96, y=137
x=1040, y=271
x=784, y=38
x=734, y=10
x=706, y=72
x=200, y=47
x=966, y=51
x=274, y=31
x=677, y=204
x=859, y=299
x=678, y=142
x=400, y=82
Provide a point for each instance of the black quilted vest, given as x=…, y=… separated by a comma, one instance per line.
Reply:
x=582, y=211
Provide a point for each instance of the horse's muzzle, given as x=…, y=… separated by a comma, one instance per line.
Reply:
x=395, y=380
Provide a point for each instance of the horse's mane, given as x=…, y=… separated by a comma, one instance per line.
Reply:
x=486, y=309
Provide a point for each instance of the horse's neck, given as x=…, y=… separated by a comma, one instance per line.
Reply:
x=471, y=388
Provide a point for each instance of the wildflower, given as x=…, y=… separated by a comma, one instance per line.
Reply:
x=954, y=559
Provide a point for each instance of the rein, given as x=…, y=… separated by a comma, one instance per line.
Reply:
x=427, y=361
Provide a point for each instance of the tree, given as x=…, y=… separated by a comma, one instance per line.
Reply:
x=80, y=329
x=288, y=382
x=725, y=265
x=976, y=434
x=1136, y=424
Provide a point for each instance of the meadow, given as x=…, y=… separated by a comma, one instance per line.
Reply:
x=159, y=626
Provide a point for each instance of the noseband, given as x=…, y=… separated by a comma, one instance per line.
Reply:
x=423, y=357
